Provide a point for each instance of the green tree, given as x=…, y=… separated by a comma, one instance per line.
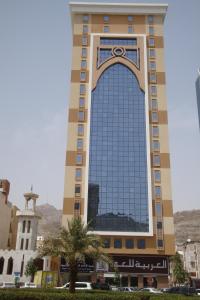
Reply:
x=178, y=273
x=31, y=269
x=74, y=244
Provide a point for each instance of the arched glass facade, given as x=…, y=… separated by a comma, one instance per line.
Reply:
x=118, y=188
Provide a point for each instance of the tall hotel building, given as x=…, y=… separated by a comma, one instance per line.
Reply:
x=198, y=94
x=117, y=160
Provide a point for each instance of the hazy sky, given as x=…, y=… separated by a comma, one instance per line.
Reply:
x=35, y=58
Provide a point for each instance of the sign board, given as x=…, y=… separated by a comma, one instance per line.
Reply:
x=82, y=268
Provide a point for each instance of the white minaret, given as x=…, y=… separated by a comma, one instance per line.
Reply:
x=27, y=224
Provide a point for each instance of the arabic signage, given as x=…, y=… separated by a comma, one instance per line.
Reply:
x=142, y=264
x=82, y=268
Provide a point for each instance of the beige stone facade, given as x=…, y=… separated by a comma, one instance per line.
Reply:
x=146, y=25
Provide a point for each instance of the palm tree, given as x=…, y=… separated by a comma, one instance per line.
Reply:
x=74, y=244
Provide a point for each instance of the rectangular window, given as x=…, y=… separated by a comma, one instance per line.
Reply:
x=83, y=76
x=152, y=53
x=154, y=104
x=159, y=225
x=84, y=52
x=154, y=116
x=151, y=42
x=150, y=19
x=81, y=116
x=154, y=90
x=84, y=40
x=80, y=129
x=22, y=244
x=160, y=243
x=106, y=243
x=23, y=226
x=151, y=30
x=29, y=227
x=117, y=243
x=156, y=160
x=80, y=144
x=81, y=102
x=82, y=89
x=158, y=209
x=77, y=190
x=85, y=28
x=27, y=242
x=78, y=174
x=130, y=18
x=155, y=131
x=152, y=77
x=85, y=19
x=157, y=191
x=106, y=29
x=76, y=205
x=106, y=19
x=130, y=29
x=79, y=159
x=129, y=244
x=157, y=176
x=156, y=146
x=152, y=65
x=83, y=64
x=141, y=244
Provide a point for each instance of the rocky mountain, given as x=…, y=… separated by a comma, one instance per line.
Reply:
x=50, y=221
x=187, y=223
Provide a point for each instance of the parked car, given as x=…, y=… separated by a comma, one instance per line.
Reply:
x=183, y=290
x=151, y=290
x=127, y=289
x=198, y=292
x=28, y=285
x=8, y=285
x=78, y=286
x=101, y=286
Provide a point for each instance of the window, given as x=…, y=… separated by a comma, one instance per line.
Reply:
x=82, y=76
x=160, y=243
x=106, y=29
x=192, y=264
x=81, y=116
x=106, y=243
x=85, y=19
x=130, y=18
x=80, y=129
x=22, y=244
x=130, y=29
x=106, y=18
x=152, y=53
x=10, y=266
x=29, y=227
x=118, y=41
x=156, y=160
x=156, y=145
x=150, y=19
x=153, y=90
x=27, y=242
x=76, y=205
x=1, y=265
x=85, y=28
x=23, y=226
x=152, y=65
x=77, y=190
x=79, y=159
x=82, y=89
x=83, y=64
x=84, y=40
x=157, y=176
x=157, y=191
x=158, y=209
x=81, y=102
x=154, y=104
x=80, y=144
x=154, y=116
x=151, y=42
x=141, y=244
x=129, y=244
x=152, y=77
x=159, y=225
x=155, y=131
x=151, y=30
x=84, y=52
x=78, y=174
x=117, y=243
